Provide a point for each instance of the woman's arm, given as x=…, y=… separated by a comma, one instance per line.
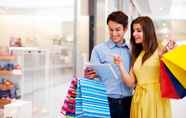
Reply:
x=128, y=78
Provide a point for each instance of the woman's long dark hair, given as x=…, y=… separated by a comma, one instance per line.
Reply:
x=150, y=42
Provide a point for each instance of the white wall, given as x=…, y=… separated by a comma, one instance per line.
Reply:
x=179, y=108
x=29, y=28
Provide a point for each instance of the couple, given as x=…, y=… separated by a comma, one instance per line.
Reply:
x=138, y=69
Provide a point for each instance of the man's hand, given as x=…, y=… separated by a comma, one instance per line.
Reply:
x=89, y=73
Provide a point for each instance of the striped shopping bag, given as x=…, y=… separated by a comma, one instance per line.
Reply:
x=91, y=99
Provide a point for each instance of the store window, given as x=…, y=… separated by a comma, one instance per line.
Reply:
x=40, y=34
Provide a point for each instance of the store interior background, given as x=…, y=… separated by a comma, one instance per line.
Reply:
x=57, y=35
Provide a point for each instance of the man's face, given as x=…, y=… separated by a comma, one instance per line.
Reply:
x=116, y=31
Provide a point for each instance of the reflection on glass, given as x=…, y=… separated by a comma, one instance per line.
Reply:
x=46, y=56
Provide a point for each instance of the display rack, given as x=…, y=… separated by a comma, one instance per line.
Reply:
x=35, y=68
x=9, y=81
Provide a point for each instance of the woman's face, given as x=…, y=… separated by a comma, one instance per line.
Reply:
x=138, y=33
x=116, y=31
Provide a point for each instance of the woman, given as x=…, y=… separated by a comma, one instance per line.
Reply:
x=144, y=75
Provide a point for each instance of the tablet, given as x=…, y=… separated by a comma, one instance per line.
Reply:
x=104, y=70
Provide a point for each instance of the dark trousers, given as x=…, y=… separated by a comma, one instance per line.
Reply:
x=120, y=107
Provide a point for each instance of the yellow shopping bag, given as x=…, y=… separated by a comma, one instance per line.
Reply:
x=175, y=60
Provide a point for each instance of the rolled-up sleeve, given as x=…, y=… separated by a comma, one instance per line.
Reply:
x=95, y=57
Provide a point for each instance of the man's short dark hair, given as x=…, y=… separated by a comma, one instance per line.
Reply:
x=119, y=17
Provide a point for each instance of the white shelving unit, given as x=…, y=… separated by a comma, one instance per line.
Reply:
x=14, y=76
x=35, y=67
x=43, y=69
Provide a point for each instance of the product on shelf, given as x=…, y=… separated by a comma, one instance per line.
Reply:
x=4, y=102
x=8, y=68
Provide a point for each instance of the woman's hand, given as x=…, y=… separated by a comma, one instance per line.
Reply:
x=127, y=78
x=169, y=46
x=117, y=60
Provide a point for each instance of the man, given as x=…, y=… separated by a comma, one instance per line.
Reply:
x=119, y=95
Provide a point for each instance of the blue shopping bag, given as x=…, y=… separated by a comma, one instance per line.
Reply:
x=91, y=99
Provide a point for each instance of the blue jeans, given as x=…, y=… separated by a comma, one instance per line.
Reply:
x=120, y=107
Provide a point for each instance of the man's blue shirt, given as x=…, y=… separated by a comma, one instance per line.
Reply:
x=103, y=54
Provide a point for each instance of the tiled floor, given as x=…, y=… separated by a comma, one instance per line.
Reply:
x=47, y=102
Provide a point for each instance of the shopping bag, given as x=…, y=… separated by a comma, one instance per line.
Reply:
x=175, y=62
x=166, y=86
x=68, y=107
x=91, y=99
x=180, y=90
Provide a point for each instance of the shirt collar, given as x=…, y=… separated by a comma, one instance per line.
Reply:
x=111, y=44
